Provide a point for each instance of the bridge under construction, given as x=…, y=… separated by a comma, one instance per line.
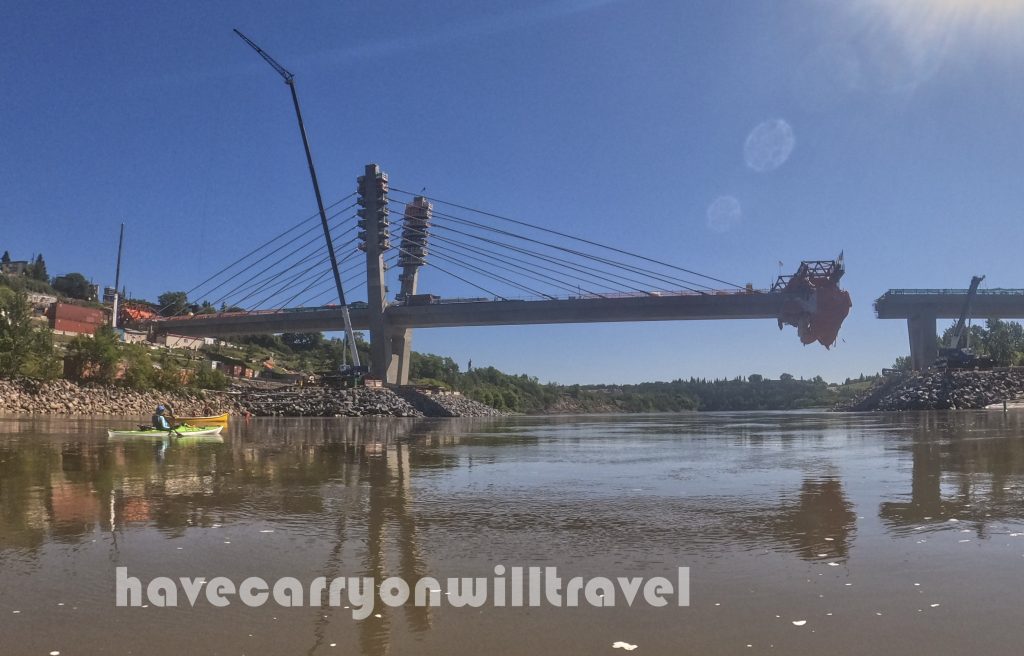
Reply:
x=522, y=273
x=922, y=308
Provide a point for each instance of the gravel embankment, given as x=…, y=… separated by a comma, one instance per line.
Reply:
x=446, y=405
x=326, y=402
x=62, y=397
x=942, y=390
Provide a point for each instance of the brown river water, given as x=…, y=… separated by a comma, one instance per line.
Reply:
x=804, y=533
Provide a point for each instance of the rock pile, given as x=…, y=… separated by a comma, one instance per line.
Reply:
x=942, y=390
x=62, y=397
x=446, y=404
x=325, y=402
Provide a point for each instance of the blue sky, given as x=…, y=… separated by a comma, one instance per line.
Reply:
x=622, y=120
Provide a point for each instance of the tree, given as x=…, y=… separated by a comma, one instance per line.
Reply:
x=902, y=363
x=755, y=378
x=786, y=377
x=435, y=367
x=37, y=270
x=210, y=379
x=1004, y=340
x=172, y=303
x=170, y=376
x=138, y=371
x=300, y=342
x=94, y=358
x=24, y=351
x=74, y=285
x=6, y=259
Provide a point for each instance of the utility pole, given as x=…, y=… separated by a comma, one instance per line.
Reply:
x=289, y=79
x=117, y=279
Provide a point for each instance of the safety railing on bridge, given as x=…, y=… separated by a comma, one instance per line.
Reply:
x=939, y=292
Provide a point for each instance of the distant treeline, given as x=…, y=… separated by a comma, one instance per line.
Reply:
x=526, y=394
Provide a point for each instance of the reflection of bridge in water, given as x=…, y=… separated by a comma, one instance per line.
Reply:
x=963, y=468
x=334, y=481
x=402, y=497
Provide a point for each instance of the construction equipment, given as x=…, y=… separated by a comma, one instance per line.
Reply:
x=957, y=353
x=289, y=79
x=820, y=306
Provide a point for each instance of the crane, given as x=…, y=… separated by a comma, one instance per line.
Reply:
x=956, y=352
x=289, y=79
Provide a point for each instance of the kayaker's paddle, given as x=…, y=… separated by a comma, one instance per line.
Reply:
x=170, y=412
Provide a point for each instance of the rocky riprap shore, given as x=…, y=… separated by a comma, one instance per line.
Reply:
x=325, y=402
x=942, y=390
x=63, y=397
x=446, y=404
x=358, y=402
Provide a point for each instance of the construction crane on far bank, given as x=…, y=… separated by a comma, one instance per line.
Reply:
x=289, y=79
x=956, y=353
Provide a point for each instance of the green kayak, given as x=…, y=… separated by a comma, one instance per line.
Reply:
x=181, y=431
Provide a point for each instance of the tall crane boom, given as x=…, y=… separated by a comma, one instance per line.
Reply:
x=289, y=79
x=956, y=352
x=960, y=337
x=281, y=70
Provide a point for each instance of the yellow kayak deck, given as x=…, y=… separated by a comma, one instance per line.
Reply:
x=215, y=420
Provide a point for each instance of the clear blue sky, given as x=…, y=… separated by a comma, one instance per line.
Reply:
x=621, y=119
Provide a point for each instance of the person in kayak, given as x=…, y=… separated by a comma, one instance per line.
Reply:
x=159, y=421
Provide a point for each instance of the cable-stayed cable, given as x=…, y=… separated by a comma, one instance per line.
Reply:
x=266, y=244
x=282, y=285
x=522, y=264
x=458, y=277
x=685, y=284
x=569, y=236
x=602, y=275
x=267, y=274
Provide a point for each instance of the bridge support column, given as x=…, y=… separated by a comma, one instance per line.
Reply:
x=401, y=349
x=924, y=347
x=373, y=221
x=412, y=253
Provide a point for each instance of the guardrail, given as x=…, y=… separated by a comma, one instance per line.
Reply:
x=938, y=292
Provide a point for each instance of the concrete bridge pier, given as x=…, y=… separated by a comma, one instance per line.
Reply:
x=924, y=343
x=401, y=352
x=412, y=255
x=375, y=237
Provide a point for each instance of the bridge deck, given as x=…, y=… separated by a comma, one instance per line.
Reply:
x=490, y=313
x=948, y=303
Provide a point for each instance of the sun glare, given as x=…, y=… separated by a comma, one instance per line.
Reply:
x=928, y=21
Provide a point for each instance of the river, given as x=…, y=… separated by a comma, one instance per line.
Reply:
x=804, y=533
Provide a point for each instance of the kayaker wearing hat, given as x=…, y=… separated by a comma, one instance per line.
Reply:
x=158, y=419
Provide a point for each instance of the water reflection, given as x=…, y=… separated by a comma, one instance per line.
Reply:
x=342, y=482
x=967, y=467
x=422, y=497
